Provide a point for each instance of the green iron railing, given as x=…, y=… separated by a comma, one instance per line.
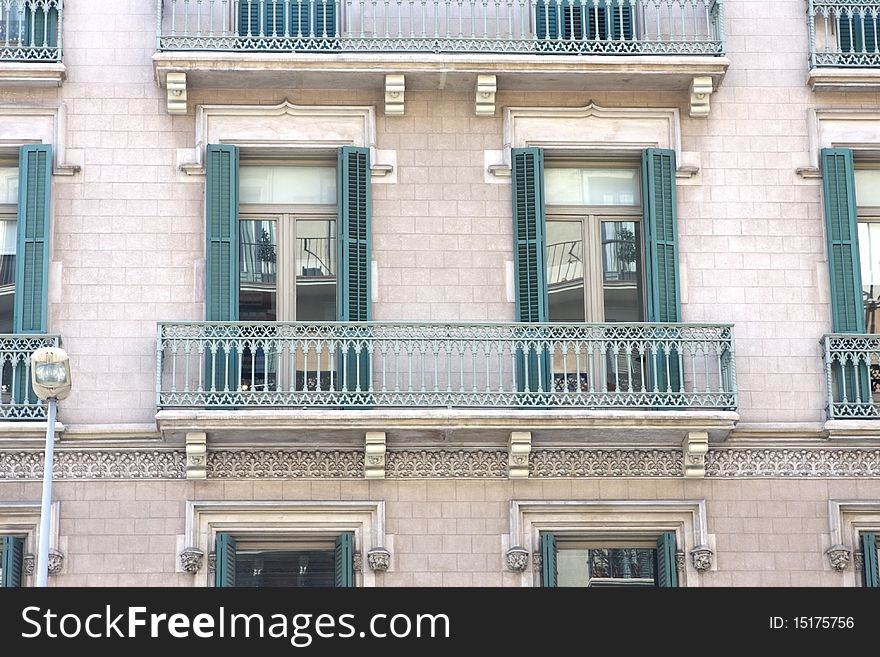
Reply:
x=852, y=375
x=17, y=398
x=30, y=30
x=844, y=33
x=381, y=364
x=608, y=27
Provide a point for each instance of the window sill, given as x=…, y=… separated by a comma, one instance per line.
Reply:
x=32, y=74
x=844, y=79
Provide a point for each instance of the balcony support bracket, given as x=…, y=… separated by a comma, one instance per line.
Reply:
x=374, y=455
x=395, y=85
x=175, y=85
x=701, y=90
x=487, y=85
x=519, y=447
x=694, y=448
x=196, y=455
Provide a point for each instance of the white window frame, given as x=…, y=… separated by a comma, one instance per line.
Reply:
x=610, y=521
x=847, y=521
x=23, y=519
x=294, y=520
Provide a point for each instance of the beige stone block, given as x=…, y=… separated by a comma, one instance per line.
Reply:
x=412, y=491
x=470, y=491
x=427, y=579
x=411, y=563
x=427, y=544
x=426, y=510
x=442, y=563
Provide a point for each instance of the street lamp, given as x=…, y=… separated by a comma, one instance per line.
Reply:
x=50, y=379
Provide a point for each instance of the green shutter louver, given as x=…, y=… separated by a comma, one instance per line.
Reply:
x=842, y=238
x=343, y=560
x=354, y=278
x=575, y=20
x=869, y=559
x=224, y=561
x=32, y=249
x=549, y=574
x=530, y=275
x=856, y=35
x=305, y=18
x=667, y=575
x=13, y=561
x=43, y=25
x=660, y=219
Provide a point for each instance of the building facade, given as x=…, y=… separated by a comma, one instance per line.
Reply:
x=443, y=293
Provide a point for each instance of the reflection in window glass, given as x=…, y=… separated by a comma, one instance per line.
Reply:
x=621, y=271
x=8, y=231
x=258, y=289
x=316, y=270
x=869, y=255
x=287, y=184
x=868, y=187
x=592, y=186
x=8, y=184
x=296, y=568
x=605, y=567
x=565, y=271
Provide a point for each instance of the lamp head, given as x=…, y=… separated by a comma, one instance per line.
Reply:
x=50, y=373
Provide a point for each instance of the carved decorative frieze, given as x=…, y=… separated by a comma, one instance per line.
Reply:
x=793, y=463
x=379, y=559
x=517, y=559
x=446, y=463
x=191, y=560
x=606, y=463
x=839, y=556
x=285, y=464
x=95, y=464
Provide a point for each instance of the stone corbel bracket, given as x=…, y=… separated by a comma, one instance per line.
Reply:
x=197, y=455
x=702, y=556
x=695, y=447
x=700, y=92
x=395, y=86
x=374, y=455
x=487, y=86
x=175, y=86
x=56, y=563
x=517, y=559
x=379, y=559
x=839, y=557
x=191, y=560
x=519, y=446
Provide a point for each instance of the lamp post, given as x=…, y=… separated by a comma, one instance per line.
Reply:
x=50, y=379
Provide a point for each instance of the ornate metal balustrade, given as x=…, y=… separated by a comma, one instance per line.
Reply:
x=17, y=398
x=852, y=375
x=844, y=33
x=622, y=27
x=30, y=30
x=378, y=364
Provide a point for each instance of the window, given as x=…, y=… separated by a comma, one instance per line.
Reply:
x=855, y=528
x=257, y=561
x=8, y=239
x=287, y=18
x=12, y=561
x=856, y=35
x=870, y=558
x=867, y=194
x=21, y=25
x=577, y=20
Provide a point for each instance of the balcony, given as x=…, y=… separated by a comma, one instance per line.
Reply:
x=852, y=375
x=30, y=42
x=529, y=44
x=844, y=48
x=17, y=398
x=499, y=375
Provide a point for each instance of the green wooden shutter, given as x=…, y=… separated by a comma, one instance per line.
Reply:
x=546, y=19
x=344, y=560
x=32, y=249
x=850, y=35
x=666, y=574
x=325, y=18
x=354, y=276
x=869, y=552
x=224, y=561
x=221, y=259
x=13, y=561
x=530, y=275
x=38, y=20
x=844, y=269
x=842, y=236
x=660, y=219
x=548, y=560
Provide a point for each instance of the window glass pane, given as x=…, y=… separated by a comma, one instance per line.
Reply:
x=258, y=289
x=297, y=568
x=8, y=230
x=592, y=186
x=565, y=271
x=571, y=568
x=287, y=184
x=869, y=255
x=868, y=187
x=8, y=184
x=316, y=270
x=621, y=271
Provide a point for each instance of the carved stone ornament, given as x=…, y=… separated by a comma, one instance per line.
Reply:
x=357, y=561
x=56, y=562
x=30, y=564
x=859, y=560
x=537, y=560
x=517, y=559
x=679, y=562
x=212, y=562
x=379, y=559
x=702, y=558
x=839, y=556
x=191, y=560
